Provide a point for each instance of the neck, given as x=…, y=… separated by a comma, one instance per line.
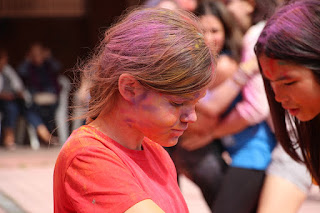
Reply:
x=117, y=126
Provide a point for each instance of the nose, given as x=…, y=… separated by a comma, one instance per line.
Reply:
x=189, y=115
x=279, y=93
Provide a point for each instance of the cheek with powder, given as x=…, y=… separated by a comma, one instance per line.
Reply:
x=130, y=122
x=157, y=111
x=140, y=98
x=268, y=67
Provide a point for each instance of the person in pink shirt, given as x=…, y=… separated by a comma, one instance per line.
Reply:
x=145, y=79
x=239, y=111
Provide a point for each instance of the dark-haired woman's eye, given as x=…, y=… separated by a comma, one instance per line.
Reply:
x=213, y=31
x=290, y=83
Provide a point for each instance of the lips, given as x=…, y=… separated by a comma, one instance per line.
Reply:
x=178, y=132
x=181, y=128
x=293, y=111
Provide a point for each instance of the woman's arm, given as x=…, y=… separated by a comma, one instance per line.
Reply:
x=232, y=124
x=251, y=110
x=225, y=92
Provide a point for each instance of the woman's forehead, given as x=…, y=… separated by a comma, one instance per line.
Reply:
x=271, y=67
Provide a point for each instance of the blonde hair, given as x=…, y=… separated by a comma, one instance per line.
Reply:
x=163, y=49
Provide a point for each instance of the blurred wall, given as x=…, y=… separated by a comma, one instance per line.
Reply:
x=64, y=36
x=69, y=37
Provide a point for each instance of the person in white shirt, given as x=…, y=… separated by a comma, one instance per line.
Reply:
x=11, y=91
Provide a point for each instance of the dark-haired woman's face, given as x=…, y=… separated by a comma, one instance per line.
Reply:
x=294, y=86
x=189, y=5
x=242, y=11
x=213, y=32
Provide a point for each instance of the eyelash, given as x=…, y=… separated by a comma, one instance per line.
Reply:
x=290, y=83
x=176, y=104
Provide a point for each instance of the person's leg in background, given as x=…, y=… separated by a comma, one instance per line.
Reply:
x=36, y=121
x=47, y=114
x=10, y=110
x=240, y=191
x=204, y=166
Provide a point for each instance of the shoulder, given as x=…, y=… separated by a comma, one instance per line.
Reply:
x=226, y=62
x=9, y=70
x=157, y=152
x=88, y=169
x=153, y=147
x=255, y=30
x=158, y=155
x=85, y=144
x=253, y=33
x=85, y=138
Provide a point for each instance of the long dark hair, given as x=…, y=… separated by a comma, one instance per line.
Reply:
x=292, y=34
x=233, y=35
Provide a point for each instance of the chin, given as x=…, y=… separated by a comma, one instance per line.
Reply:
x=305, y=118
x=165, y=142
x=170, y=142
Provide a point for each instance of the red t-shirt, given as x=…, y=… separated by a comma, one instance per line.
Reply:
x=93, y=173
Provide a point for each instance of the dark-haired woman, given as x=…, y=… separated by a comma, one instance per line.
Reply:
x=289, y=55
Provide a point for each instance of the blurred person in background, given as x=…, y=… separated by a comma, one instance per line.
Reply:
x=11, y=94
x=39, y=73
x=80, y=103
x=168, y=4
x=243, y=128
x=205, y=165
x=188, y=5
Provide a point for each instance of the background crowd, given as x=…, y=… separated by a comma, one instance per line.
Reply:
x=232, y=144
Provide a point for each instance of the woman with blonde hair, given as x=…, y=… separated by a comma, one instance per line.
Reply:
x=147, y=75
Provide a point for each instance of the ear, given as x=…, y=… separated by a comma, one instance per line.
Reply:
x=129, y=87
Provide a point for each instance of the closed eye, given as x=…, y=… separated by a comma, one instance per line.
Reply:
x=290, y=83
x=175, y=104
